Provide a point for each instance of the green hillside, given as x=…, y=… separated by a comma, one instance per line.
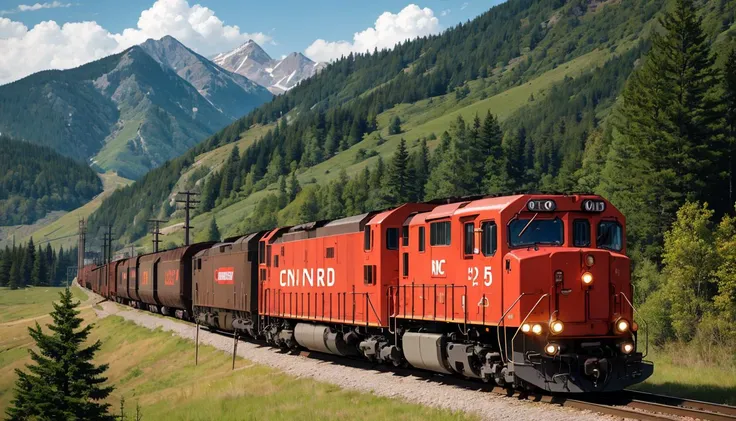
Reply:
x=129, y=112
x=35, y=180
x=510, y=57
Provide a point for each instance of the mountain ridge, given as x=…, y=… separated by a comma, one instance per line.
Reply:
x=131, y=111
x=278, y=76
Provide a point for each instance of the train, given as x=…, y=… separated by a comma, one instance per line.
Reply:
x=529, y=291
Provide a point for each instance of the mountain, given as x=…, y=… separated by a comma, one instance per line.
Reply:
x=233, y=94
x=550, y=71
x=251, y=61
x=35, y=180
x=129, y=112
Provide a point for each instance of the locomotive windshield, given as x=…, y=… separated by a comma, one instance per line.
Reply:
x=610, y=235
x=538, y=231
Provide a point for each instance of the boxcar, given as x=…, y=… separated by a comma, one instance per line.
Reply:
x=225, y=280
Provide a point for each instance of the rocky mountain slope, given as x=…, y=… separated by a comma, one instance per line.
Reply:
x=129, y=112
x=251, y=61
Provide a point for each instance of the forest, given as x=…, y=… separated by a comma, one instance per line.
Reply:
x=28, y=265
x=652, y=129
x=35, y=180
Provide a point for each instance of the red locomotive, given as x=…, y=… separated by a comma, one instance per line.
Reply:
x=525, y=291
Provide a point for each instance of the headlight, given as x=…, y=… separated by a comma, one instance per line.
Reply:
x=587, y=278
x=622, y=325
x=627, y=347
x=551, y=349
x=589, y=260
x=537, y=329
x=556, y=327
x=526, y=328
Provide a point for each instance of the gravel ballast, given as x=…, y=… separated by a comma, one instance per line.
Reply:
x=409, y=388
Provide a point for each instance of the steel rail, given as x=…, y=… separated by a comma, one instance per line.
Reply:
x=627, y=404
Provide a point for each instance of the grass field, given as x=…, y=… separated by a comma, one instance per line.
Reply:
x=157, y=371
x=30, y=302
x=679, y=371
x=68, y=224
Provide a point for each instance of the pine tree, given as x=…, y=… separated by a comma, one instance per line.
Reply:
x=420, y=164
x=283, y=196
x=29, y=259
x=494, y=168
x=729, y=103
x=62, y=384
x=399, y=185
x=294, y=187
x=309, y=210
x=666, y=151
x=39, y=275
x=14, y=280
x=212, y=233
x=395, y=126
x=6, y=262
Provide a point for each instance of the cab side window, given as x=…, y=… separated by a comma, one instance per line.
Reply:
x=489, y=238
x=439, y=233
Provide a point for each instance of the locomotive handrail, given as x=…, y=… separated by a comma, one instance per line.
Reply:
x=646, y=325
x=429, y=288
x=503, y=319
x=521, y=324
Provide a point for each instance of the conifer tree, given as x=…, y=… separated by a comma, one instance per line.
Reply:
x=294, y=187
x=399, y=185
x=729, y=103
x=395, y=126
x=309, y=210
x=14, y=279
x=29, y=260
x=62, y=383
x=665, y=152
x=39, y=275
x=494, y=167
x=213, y=233
x=6, y=262
x=283, y=196
x=421, y=169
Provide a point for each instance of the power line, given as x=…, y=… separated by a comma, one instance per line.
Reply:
x=188, y=205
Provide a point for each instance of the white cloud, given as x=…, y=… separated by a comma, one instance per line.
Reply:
x=445, y=12
x=39, y=6
x=50, y=46
x=464, y=6
x=389, y=29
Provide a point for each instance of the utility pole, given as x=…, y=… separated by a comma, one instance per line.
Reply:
x=156, y=231
x=81, y=244
x=109, y=243
x=188, y=205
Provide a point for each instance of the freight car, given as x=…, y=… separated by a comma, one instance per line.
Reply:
x=528, y=291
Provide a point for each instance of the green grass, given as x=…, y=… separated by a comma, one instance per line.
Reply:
x=419, y=120
x=680, y=371
x=68, y=225
x=31, y=302
x=156, y=370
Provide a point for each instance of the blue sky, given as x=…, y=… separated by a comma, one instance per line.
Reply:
x=293, y=24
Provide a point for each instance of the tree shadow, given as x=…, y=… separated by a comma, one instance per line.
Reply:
x=701, y=392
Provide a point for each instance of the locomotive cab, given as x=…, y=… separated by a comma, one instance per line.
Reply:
x=575, y=328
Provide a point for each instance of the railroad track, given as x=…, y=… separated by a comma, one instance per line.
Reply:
x=649, y=406
x=626, y=404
